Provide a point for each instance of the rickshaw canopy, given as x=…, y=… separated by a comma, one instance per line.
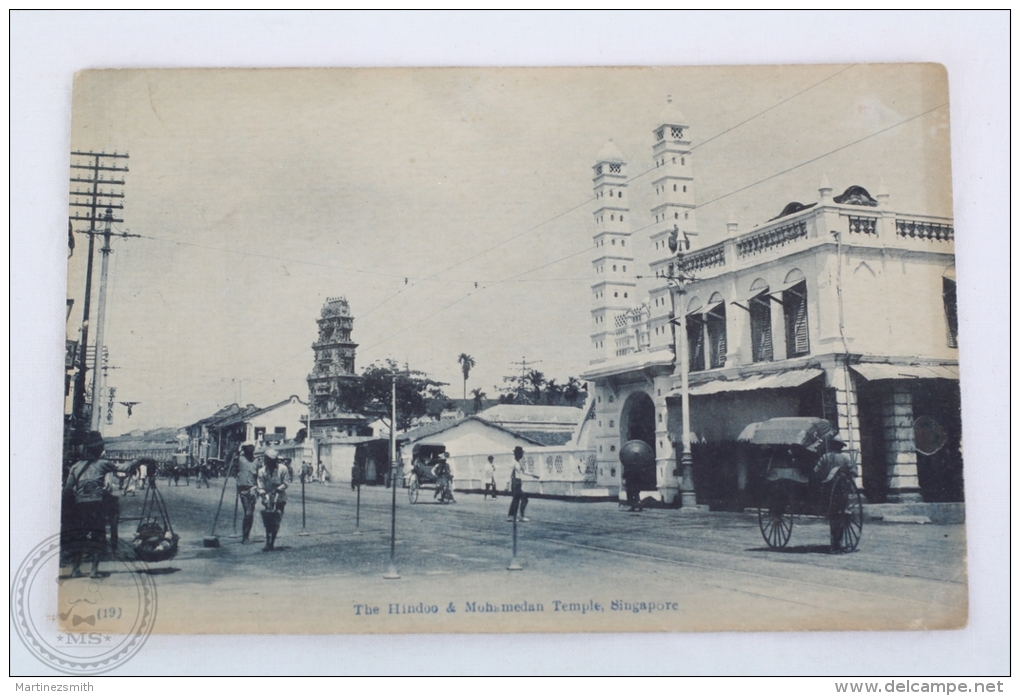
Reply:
x=813, y=434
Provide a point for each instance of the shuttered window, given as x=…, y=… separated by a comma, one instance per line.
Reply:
x=717, y=336
x=695, y=343
x=761, y=328
x=795, y=313
x=949, y=300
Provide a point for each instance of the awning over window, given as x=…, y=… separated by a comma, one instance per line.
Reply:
x=780, y=380
x=878, y=371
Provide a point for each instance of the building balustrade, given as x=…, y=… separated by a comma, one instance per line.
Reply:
x=862, y=225
x=706, y=258
x=919, y=229
x=770, y=239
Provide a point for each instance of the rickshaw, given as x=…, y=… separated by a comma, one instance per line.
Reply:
x=423, y=463
x=807, y=475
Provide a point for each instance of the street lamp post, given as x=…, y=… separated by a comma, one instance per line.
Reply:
x=677, y=279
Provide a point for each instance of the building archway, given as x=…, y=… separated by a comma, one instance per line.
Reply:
x=637, y=422
x=637, y=419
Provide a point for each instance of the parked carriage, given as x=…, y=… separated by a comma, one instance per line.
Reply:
x=807, y=474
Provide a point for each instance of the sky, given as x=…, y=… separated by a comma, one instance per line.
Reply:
x=452, y=207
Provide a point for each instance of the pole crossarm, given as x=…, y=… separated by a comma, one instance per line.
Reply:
x=78, y=153
x=86, y=218
x=112, y=182
x=97, y=194
x=99, y=168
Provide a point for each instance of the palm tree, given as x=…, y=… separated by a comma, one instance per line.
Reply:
x=572, y=390
x=553, y=392
x=466, y=363
x=479, y=397
x=537, y=380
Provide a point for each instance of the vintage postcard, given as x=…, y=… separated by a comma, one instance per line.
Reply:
x=509, y=350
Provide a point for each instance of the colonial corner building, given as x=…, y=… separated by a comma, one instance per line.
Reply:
x=840, y=307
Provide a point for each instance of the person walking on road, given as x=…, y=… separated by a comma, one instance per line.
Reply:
x=490, y=478
x=520, y=500
x=272, y=488
x=246, y=469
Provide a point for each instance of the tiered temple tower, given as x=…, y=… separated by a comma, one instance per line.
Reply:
x=673, y=206
x=615, y=273
x=333, y=376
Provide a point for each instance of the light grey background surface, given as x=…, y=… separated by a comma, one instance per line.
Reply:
x=46, y=49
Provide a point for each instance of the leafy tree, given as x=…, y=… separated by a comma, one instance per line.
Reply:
x=466, y=363
x=414, y=392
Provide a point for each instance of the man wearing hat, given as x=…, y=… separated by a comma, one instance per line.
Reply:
x=444, y=478
x=85, y=508
x=246, y=469
x=519, y=503
x=271, y=483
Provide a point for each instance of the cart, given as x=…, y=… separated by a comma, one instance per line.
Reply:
x=807, y=474
x=421, y=476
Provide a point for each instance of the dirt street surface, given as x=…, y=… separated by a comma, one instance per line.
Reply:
x=586, y=567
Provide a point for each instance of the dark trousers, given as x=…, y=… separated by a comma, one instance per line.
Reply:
x=634, y=497
x=112, y=505
x=247, y=496
x=519, y=502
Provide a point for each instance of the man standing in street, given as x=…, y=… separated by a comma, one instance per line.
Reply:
x=246, y=469
x=84, y=509
x=490, y=478
x=272, y=488
x=520, y=499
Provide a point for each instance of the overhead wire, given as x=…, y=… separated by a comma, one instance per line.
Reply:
x=517, y=277
x=701, y=205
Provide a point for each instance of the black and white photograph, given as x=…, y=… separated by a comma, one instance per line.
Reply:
x=430, y=351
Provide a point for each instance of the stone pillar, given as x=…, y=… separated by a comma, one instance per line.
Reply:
x=900, y=455
x=846, y=415
x=665, y=458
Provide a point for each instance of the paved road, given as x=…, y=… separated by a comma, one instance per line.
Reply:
x=587, y=567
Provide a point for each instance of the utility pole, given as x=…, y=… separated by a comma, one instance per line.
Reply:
x=87, y=191
x=525, y=364
x=97, y=373
x=679, y=276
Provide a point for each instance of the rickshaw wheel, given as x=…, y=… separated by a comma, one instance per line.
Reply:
x=412, y=490
x=846, y=514
x=775, y=520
